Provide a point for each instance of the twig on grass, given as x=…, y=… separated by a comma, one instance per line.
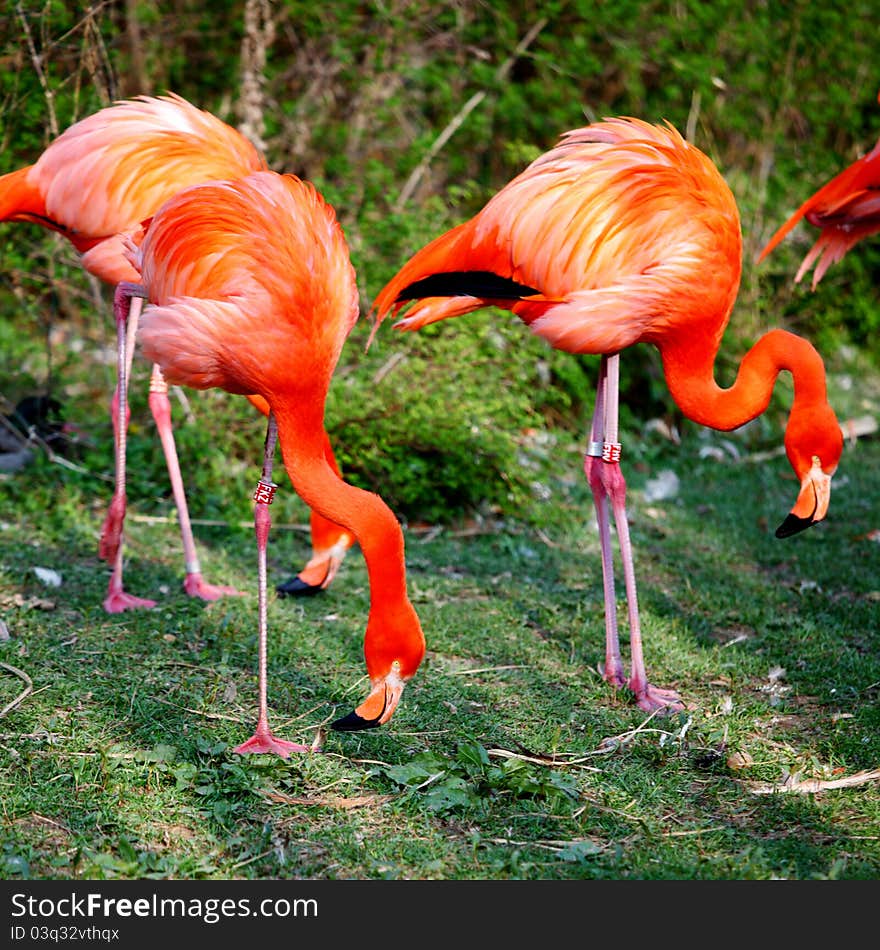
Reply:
x=256, y=857
x=484, y=669
x=551, y=761
x=554, y=845
x=29, y=688
x=212, y=523
x=198, y=712
x=329, y=801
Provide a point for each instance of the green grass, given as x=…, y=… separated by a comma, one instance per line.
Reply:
x=509, y=757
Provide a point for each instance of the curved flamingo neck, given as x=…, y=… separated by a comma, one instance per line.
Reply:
x=690, y=374
x=303, y=439
x=393, y=630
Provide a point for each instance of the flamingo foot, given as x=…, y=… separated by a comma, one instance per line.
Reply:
x=655, y=699
x=117, y=600
x=262, y=742
x=195, y=585
x=613, y=674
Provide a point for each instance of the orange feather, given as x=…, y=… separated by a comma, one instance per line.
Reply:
x=104, y=175
x=98, y=184
x=625, y=233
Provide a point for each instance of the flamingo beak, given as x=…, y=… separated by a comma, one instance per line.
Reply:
x=378, y=707
x=316, y=576
x=812, y=502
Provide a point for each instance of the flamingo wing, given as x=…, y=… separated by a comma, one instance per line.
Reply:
x=210, y=272
x=103, y=176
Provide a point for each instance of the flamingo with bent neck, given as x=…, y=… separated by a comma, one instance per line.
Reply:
x=625, y=233
x=250, y=289
x=95, y=184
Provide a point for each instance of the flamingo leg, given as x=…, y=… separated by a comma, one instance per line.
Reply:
x=613, y=671
x=262, y=740
x=127, y=304
x=160, y=406
x=602, y=467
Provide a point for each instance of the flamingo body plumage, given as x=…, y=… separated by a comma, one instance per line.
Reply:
x=99, y=180
x=96, y=184
x=624, y=233
x=250, y=289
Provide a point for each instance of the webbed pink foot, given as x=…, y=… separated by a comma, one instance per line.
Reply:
x=655, y=699
x=263, y=742
x=196, y=586
x=117, y=600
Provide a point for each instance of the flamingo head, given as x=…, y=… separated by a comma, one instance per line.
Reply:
x=318, y=574
x=379, y=706
x=814, y=444
x=393, y=656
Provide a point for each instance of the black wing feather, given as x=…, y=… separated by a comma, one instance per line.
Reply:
x=466, y=283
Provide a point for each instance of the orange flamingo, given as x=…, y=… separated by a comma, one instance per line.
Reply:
x=621, y=234
x=95, y=184
x=846, y=209
x=251, y=289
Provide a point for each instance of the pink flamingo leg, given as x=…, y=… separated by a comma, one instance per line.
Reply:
x=126, y=314
x=262, y=740
x=594, y=470
x=160, y=406
x=607, y=482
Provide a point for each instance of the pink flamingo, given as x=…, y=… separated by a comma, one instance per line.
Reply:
x=251, y=289
x=624, y=233
x=95, y=184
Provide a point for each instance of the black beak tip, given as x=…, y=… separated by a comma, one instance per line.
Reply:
x=793, y=525
x=297, y=588
x=353, y=723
